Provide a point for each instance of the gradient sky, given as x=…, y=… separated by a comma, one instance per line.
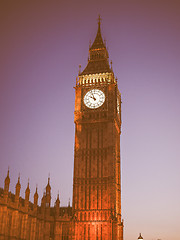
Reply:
x=41, y=45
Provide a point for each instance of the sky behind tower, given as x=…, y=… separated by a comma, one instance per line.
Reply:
x=42, y=44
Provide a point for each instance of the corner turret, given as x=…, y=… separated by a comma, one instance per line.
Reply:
x=36, y=197
x=27, y=193
x=18, y=188
x=35, y=201
x=57, y=205
x=48, y=193
x=6, y=183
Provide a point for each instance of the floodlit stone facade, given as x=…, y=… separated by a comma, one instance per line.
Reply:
x=21, y=219
x=96, y=208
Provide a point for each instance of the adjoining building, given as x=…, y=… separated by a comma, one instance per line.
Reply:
x=96, y=206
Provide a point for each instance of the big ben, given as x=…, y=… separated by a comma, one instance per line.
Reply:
x=97, y=171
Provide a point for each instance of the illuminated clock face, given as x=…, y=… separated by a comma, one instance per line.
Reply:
x=94, y=98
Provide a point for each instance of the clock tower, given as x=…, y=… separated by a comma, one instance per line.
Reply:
x=97, y=170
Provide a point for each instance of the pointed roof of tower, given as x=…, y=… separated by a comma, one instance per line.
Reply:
x=18, y=182
x=48, y=187
x=28, y=189
x=18, y=187
x=140, y=236
x=98, y=61
x=7, y=179
x=36, y=197
x=7, y=182
x=36, y=193
x=98, y=42
x=58, y=200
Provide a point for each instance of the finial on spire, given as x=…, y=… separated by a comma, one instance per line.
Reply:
x=19, y=178
x=7, y=181
x=48, y=187
x=58, y=195
x=69, y=203
x=79, y=68
x=7, y=173
x=18, y=186
x=49, y=178
x=28, y=183
x=99, y=20
x=57, y=203
x=27, y=192
x=140, y=236
x=36, y=197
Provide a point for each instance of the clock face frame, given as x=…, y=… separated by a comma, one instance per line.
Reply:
x=94, y=98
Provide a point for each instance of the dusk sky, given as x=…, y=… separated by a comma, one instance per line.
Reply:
x=42, y=44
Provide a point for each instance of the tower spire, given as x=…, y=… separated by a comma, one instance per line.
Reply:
x=6, y=183
x=98, y=60
x=140, y=237
x=99, y=20
x=98, y=42
x=48, y=192
x=18, y=188
x=97, y=118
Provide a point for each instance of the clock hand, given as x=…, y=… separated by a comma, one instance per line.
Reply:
x=92, y=96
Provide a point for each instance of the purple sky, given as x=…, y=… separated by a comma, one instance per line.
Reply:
x=41, y=45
